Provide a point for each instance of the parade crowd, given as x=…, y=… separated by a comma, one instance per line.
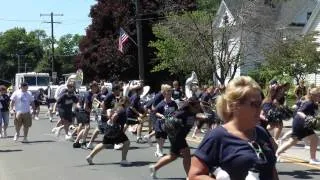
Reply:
x=242, y=123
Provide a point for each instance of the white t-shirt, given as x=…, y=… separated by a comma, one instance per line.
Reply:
x=22, y=101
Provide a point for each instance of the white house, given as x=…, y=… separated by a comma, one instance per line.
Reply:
x=287, y=19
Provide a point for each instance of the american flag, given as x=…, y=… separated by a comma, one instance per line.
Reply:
x=122, y=39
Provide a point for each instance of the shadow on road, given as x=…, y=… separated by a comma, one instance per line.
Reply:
x=10, y=150
x=173, y=178
x=41, y=141
x=303, y=174
x=133, y=164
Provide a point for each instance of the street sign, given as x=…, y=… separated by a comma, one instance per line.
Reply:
x=54, y=75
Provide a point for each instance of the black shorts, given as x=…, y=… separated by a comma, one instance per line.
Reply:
x=299, y=131
x=179, y=142
x=83, y=117
x=162, y=135
x=120, y=139
x=67, y=115
x=36, y=104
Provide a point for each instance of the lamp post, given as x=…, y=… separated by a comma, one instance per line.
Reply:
x=19, y=53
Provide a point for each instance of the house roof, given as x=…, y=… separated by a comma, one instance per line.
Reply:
x=312, y=19
x=234, y=5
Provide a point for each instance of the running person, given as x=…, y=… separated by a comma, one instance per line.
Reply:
x=165, y=108
x=299, y=128
x=179, y=145
x=118, y=119
x=65, y=104
x=107, y=105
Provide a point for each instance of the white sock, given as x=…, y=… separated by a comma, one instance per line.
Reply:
x=158, y=148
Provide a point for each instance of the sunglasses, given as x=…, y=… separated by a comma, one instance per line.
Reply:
x=258, y=150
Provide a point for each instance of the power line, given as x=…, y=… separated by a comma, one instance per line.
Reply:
x=52, y=36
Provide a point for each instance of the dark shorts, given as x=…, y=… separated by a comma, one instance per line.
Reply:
x=83, y=117
x=162, y=135
x=120, y=139
x=36, y=104
x=179, y=142
x=298, y=130
x=67, y=115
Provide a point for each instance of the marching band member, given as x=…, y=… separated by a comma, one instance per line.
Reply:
x=136, y=112
x=165, y=108
x=179, y=145
x=65, y=104
x=299, y=128
x=115, y=133
x=108, y=104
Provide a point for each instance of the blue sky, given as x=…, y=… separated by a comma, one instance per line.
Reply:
x=26, y=13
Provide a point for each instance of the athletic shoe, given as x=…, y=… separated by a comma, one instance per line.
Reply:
x=118, y=146
x=36, y=118
x=50, y=119
x=54, y=130
x=68, y=138
x=153, y=172
x=57, y=133
x=76, y=145
x=158, y=154
x=314, y=162
x=89, y=160
x=125, y=163
x=16, y=137
x=90, y=146
x=140, y=140
x=25, y=140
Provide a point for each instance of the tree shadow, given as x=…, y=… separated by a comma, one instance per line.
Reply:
x=10, y=150
x=133, y=164
x=173, y=178
x=41, y=141
x=301, y=174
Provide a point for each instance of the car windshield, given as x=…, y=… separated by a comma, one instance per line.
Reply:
x=36, y=81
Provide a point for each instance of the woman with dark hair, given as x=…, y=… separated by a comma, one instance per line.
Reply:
x=179, y=145
x=115, y=132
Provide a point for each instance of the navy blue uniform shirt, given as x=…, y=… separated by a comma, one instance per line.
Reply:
x=236, y=156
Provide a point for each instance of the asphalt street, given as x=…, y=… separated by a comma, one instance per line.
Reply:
x=51, y=158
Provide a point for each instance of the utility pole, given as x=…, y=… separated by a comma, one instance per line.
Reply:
x=139, y=39
x=52, y=36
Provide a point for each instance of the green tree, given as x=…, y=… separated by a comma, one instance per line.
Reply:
x=294, y=57
x=17, y=45
x=65, y=53
x=197, y=41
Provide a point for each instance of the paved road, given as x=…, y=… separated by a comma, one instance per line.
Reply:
x=51, y=158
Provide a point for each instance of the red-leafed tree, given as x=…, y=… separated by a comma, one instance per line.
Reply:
x=99, y=56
